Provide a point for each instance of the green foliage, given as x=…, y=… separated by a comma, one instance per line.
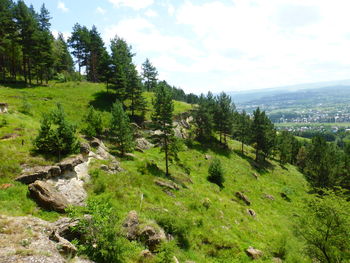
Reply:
x=263, y=135
x=216, y=173
x=162, y=120
x=56, y=134
x=325, y=227
x=203, y=117
x=101, y=235
x=149, y=74
x=120, y=130
x=26, y=106
x=93, y=123
x=166, y=252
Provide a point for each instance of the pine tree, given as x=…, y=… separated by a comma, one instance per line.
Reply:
x=137, y=101
x=149, y=73
x=242, y=128
x=93, y=123
x=204, y=119
x=56, y=135
x=263, y=134
x=223, y=115
x=162, y=120
x=63, y=61
x=120, y=130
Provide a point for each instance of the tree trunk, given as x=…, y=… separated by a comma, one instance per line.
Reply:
x=166, y=157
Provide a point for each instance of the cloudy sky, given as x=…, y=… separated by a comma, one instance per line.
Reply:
x=227, y=45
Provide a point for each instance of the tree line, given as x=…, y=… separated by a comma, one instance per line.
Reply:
x=29, y=51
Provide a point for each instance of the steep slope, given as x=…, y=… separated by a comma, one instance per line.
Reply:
x=209, y=224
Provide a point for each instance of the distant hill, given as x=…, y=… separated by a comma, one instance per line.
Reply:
x=252, y=95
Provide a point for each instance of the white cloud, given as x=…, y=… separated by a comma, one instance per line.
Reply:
x=61, y=5
x=151, y=13
x=241, y=45
x=100, y=10
x=66, y=34
x=134, y=4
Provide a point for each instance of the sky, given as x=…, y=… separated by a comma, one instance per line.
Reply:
x=226, y=45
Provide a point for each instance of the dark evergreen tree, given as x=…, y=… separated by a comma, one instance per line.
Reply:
x=242, y=128
x=149, y=74
x=120, y=130
x=223, y=115
x=63, y=61
x=137, y=101
x=216, y=173
x=203, y=117
x=263, y=135
x=93, y=125
x=162, y=120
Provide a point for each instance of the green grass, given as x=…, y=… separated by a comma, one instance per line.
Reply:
x=209, y=224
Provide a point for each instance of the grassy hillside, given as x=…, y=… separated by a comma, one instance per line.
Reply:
x=213, y=225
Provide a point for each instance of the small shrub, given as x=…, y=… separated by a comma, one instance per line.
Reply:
x=26, y=107
x=166, y=252
x=175, y=226
x=56, y=135
x=3, y=122
x=216, y=173
x=101, y=237
x=93, y=123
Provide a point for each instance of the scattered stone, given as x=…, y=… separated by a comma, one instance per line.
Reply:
x=47, y=196
x=242, y=197
x=30, y=175
x=84, y=148
x=152, y=236
x=104, y=167
x=251, y=212
x=207, y=203
x=146, y=254
x=143, y=144
x=254, y=253
x=64, y=227
x=9, y=136
x=256, y=176
x=96, y=143
x=176, y=260
x=3, y=107
x=63, y=246
x=68, y=164
x=5, y=186
x=131, y=224
x=168, y=193
x=169, y=185
x=208, y=157
x=285, y=197
x=270, y=197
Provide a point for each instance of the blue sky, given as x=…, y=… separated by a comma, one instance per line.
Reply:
x=202, y=45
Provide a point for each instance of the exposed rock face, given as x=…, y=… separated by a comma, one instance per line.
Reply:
x=251, y=212
x=101, y=150
x=19, y=245
x=47, y=196
x=165, y=184
x=30, y=175
x=131, y=225
x=208, y=157
x=68, y=164
x=143, y=144
x=151, y=236
x=270, y=197
x=3, y=107
x=84, y=148
x=254, y=253
x=242, y=197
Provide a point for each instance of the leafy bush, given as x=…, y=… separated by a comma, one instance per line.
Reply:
x=56, y=135
x=216, y=173
x=325, y=227
x=93, y=123
x=176, y=226
x=101, y=237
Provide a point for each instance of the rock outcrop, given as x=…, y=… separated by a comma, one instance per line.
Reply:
x=142, y=144
x=254, y=253
x=47, y=196
x=30, y=175
x=18, y=245
x=3, y=107
x=242, y=197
